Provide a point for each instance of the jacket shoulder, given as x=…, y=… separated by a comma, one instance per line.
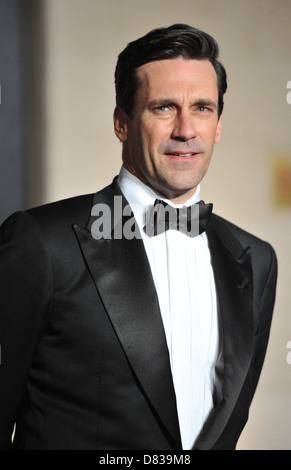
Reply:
x=244, y=237
x=264, y=259
x=76, y=209
x=54, y=220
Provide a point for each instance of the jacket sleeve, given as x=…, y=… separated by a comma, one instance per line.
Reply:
x=25, y=302
x=266, y=299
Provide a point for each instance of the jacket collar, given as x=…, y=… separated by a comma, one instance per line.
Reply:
x=234, y=283
x=122, y=276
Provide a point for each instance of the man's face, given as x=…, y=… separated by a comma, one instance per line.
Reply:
x=169, y=140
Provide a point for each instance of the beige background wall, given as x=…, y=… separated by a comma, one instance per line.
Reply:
x=82, y=41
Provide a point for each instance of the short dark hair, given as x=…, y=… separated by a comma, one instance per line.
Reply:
x=178, y=40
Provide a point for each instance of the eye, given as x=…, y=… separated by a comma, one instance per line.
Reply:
x=203, y=109
x=162, y=108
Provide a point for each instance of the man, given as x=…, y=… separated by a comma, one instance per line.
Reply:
x=140, y=338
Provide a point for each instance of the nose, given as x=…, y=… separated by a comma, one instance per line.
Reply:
x=184, y=126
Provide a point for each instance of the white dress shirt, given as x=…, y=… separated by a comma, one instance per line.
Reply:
x=183, y=277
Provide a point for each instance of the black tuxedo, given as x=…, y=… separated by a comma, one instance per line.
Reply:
x=85, y=363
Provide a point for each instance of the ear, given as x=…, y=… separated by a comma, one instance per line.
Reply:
x=218, y=131
x=120, y=124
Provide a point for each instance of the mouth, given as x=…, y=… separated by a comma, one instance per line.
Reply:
x=181, y=155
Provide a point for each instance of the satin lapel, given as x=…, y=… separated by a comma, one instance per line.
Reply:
x=234, y=283
x=122, y=276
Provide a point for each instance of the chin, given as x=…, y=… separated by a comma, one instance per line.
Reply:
x=184, y=187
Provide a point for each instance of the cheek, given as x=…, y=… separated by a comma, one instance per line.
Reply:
x=217, y=131
x=210, y=134
x=148, y=142
x=218, y=135
x=159, y=138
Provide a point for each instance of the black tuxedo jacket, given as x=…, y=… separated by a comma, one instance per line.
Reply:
x=84, y=360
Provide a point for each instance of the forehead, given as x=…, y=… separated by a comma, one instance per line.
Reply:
x=178, y=76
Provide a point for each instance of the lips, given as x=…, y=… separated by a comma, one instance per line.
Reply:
x=181, y=154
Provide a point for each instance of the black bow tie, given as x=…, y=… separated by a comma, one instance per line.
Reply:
x=190, y=220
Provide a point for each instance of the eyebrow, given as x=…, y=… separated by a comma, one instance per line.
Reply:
x=168, y=101
x=206, y=102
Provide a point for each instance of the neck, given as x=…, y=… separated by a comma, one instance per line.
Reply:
x=173, y=195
